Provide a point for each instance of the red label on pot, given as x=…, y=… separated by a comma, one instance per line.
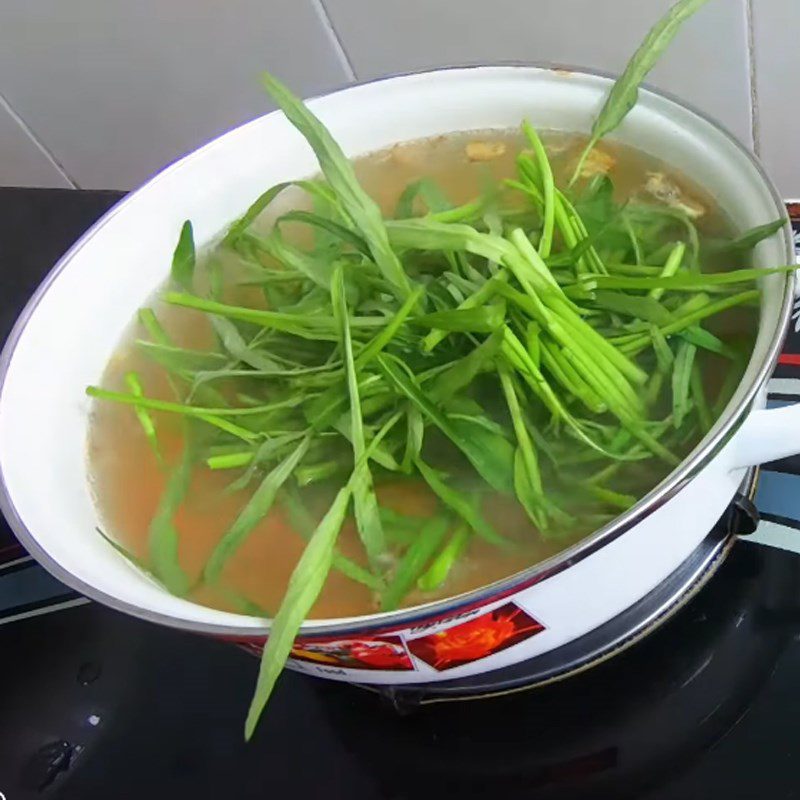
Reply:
x=477, y=638
x=362, y=652
x=438, y=645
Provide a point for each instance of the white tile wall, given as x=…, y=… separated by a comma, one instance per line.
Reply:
x=706, y=65
x=776, y=38
x=114, y=90
x=22, y=161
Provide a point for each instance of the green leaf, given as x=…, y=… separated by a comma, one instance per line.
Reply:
x=183, y=259
x=631, y=305
x=491, y=462
x=485, y=319
x=488, y=449
x=681, y=378
x=306, y=326
x=230, y=460
x=425, y=190
x=671, y=266
x=317, y=190
x=378, y=454
x=163, y=537
x=400, y=529
x=620, y=268
x=216, y=277
x=700, y=337
x=313, y=267
x=664, y=357
x=415, y=433
x=475, y=300
x=685, y=321
x=426, y=234
x=365, y=502
x=526, y=494
x=577, y=338
x=305, y=584
x=570, y=378
x=234, y=343
x=625, y=92
x=303, y=524
x=143, y=415
x=179, y=359
x=548, y=189
x=226, y=425
x=441, y=566
x=149, y=320
x=249, y=216
x=330, y=226
x=255, y=510
x=186, y=410
x=413, y=562
x=461, y=373
x=610, y=497
x=747, y=241
x=462, y=504
x=700, y=400
x=527, y=478
x=314, y=473
x=242, y=604
x=338, y=172
x=518, y=356
x=685, y=281
x=382, y=339
x=533, y=341
x=123, y=551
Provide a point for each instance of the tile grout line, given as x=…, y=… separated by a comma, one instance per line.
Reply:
x=341, y=53
x=26, y=129
x=755, y=120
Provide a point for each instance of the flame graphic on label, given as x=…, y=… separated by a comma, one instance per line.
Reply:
x=477, y=638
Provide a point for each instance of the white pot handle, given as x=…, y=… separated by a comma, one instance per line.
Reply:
x=767, y=435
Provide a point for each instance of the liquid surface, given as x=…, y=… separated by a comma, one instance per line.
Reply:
x=129, y=482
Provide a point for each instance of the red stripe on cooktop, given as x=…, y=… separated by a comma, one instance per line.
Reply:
x=792, y=359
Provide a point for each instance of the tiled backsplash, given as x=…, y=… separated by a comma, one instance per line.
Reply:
x=776, y=62
x=100, y=95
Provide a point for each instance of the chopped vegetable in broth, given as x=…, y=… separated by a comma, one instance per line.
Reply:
x=423, y=372
x=129, y=474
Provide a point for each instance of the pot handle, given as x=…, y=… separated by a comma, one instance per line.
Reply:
x=767, y=435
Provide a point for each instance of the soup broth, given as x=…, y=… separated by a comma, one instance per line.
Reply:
x=129, y=480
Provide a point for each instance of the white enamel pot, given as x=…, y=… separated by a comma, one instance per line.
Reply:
x=71, y=326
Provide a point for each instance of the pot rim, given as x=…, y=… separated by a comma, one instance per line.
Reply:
x=707, y=448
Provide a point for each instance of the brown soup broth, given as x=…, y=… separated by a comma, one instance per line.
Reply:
x=128, y=482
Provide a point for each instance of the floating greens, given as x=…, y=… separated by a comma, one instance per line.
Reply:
x=622, y=97
x=542, y=342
